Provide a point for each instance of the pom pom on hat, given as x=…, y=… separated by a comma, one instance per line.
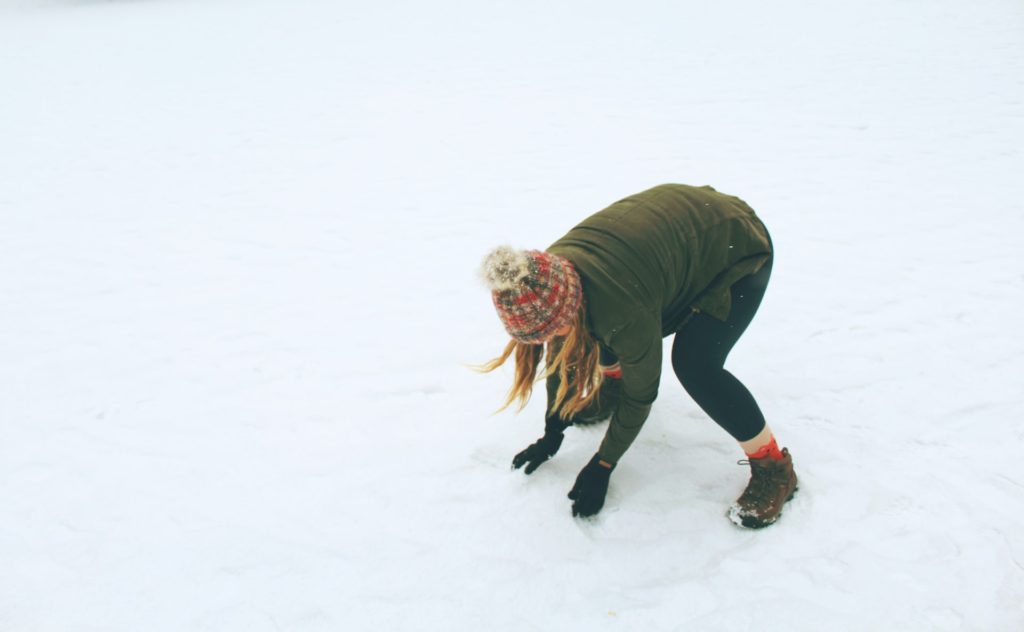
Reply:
x=504, y=268
x=535, y=293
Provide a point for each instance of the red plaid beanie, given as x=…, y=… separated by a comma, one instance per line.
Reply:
x=536, y=293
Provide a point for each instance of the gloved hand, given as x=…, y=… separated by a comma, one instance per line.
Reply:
x=542, y=449
x=591, y=486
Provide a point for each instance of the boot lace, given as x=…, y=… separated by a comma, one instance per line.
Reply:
x=760, y=482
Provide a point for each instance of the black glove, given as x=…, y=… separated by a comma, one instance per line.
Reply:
x=542, y=449
x=590, y=488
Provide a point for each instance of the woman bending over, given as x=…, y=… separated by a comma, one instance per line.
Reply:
x=593, y=308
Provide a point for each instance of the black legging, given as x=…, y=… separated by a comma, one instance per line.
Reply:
x=698, y=357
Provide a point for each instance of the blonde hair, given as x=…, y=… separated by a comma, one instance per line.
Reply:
x=573, y=358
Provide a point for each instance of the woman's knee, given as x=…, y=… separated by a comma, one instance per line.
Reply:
x=693, y=372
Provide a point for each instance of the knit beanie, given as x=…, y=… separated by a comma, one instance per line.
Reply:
x=536, y=293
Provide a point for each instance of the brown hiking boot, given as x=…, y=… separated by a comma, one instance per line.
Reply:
x=772, y=484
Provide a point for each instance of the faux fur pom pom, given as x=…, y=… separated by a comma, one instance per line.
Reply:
x=504, y=268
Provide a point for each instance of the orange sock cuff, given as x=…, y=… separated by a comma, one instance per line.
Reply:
x=770, y=449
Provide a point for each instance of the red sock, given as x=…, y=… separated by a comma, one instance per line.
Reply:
x=769, y=449
x=614, y=372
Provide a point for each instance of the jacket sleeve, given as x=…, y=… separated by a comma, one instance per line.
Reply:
x=551, y=387
x=638, y=346
x=552, y=382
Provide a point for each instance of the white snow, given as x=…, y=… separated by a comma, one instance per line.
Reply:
x=239, y=244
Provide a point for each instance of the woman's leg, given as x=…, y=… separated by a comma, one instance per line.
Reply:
x=699, y=352
x=698, y=357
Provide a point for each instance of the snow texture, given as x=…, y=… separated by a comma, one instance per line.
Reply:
x=239, y=244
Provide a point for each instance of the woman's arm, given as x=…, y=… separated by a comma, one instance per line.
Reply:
x=638, y=346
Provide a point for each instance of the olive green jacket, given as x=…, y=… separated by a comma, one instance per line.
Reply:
x=647, y=263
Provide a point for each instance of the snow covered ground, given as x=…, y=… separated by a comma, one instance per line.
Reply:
x=238, y=248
